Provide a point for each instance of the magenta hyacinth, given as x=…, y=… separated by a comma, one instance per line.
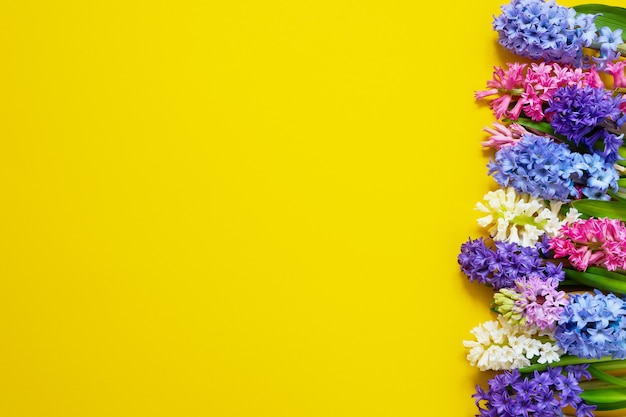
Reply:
x=521, y=88
x=592, y=242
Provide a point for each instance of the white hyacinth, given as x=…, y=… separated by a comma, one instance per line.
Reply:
x=521, y=218
x=502, y=346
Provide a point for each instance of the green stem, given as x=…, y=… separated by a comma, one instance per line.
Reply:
x=597, y=281
x=617, y=274
x=568, y=284
x=619, y=196
x=600, y=382
x=524, y=220
x=564, y=361
x=612, y=365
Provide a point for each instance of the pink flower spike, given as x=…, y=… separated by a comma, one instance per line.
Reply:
x=541, y=69
x=501, y=135
x=616, y=69
x=515, y=75
x=534, y=108
x=500, y=105
x=507, y=80
x=592, y=242
x=593, y=78
x=479, y=95
x=560, y=72
x=517, y=109
x=517, y=130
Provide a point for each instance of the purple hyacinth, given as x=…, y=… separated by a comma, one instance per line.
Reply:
x=542, y=393
x=501, y=266
x=593, y=326
x=543, y=168
x=581, y=115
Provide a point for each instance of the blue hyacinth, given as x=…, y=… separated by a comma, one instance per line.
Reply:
x=546, y=31
x=537, y=166
x=593, y=326
x=543, y=168
x=599, y=176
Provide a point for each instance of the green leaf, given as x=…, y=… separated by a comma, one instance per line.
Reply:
x=617, y=405
x=612, y=16
x=606, y=377
x=606, y=399
x=606, y=273
x=608, y=395
x=597, y=281
x=539, y=126
x=600, y=208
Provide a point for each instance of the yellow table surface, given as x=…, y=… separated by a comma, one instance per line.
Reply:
x=240, y=208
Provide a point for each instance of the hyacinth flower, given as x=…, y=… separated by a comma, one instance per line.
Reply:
x=544, y=168
x=533, y=302
x=521, y=218
x=522, y=89
x=600, y=382
x=592, y=242
x=498, y=345
x=501, y=135
x=545, y=31
x=501, y=264
x=596, y=250
x=550, y=392
x=589, y=118
x=593, y=326
x=616, y=70
x=589, y=342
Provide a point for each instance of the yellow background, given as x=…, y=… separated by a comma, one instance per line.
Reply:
x=240, y=208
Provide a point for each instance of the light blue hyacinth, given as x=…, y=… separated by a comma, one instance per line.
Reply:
x=546, y=31
x=593, y=326
x=543, y=168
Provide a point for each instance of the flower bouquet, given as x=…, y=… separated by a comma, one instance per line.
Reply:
x=554, y=250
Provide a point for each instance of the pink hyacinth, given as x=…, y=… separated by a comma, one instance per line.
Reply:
x=501, y=135
x=540, y=303
x=522, y=89
x=505, y=83
x=592, y=242
x=616, y=69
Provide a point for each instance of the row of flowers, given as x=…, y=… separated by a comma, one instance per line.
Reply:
x=554, y=250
